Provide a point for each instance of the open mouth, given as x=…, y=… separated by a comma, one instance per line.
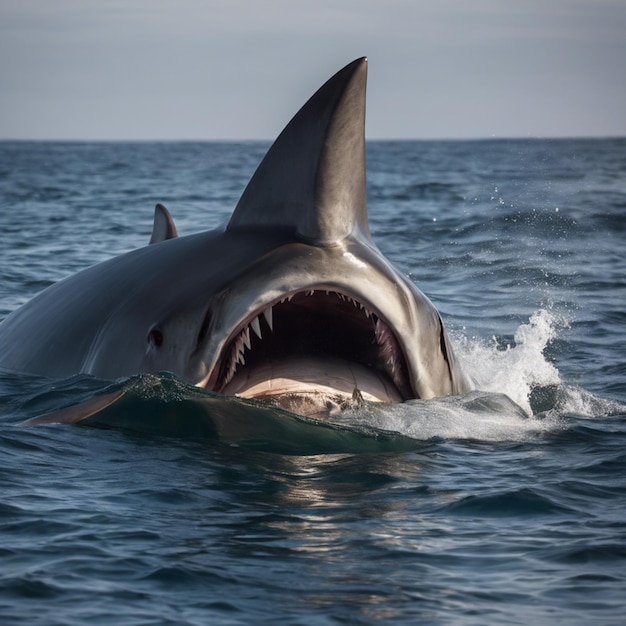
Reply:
x=315, y=336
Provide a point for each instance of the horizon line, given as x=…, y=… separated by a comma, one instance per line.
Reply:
x=269, y=140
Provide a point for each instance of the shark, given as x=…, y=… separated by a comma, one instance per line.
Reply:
x=291, y=302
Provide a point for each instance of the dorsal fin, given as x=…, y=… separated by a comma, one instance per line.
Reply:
x=312, y=179
x=164, y=227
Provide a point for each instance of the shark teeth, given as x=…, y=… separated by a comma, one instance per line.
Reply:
x=246, y=338
x=388, y=348
x=256, y=327
x=243, y=342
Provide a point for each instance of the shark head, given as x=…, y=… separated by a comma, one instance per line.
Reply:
x=291, y=302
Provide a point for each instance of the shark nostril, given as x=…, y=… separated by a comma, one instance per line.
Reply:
x=204, y=328
x=155, y=337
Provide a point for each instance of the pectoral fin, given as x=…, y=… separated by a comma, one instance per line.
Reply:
x=76, y=413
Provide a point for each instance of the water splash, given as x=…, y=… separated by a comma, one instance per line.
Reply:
x=519, y=368
x=523, y=372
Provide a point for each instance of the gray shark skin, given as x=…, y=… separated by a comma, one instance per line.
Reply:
x=291, y=299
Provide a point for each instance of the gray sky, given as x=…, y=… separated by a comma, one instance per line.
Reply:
x=232, y=69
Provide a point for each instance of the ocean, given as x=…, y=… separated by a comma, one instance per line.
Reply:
x=505, y=506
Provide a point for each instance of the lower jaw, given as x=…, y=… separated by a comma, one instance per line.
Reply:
x=313, y=386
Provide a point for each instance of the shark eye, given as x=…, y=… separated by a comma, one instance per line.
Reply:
x=155, y=337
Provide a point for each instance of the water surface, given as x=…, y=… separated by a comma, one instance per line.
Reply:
x=505, y=506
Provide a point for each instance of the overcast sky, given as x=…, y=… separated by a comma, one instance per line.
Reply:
x=233, y=69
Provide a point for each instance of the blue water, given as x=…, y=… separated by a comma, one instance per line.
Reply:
x=505, y=506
